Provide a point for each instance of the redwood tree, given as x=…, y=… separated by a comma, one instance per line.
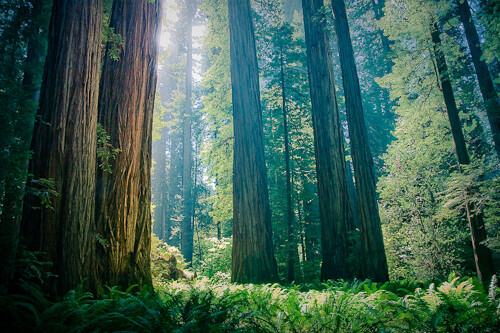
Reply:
x=64, y=144
x=486, y=86
x=334, y=202
x=126, y=101
x=374, y=261
x=482, y=254
x=187, y=155
x=253, y=254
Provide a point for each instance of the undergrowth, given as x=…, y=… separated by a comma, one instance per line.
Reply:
x=204, y=305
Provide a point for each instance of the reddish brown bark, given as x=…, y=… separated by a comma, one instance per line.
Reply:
x=64, y=143
x=126, y=112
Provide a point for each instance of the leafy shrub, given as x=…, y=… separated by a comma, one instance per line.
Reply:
x=217, y=258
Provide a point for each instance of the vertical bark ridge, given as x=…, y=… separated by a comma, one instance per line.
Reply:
x=64, y=142
x=126, y=112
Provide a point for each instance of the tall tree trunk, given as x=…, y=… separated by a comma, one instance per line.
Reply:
x=187, y=158
x=482, y=254
x=64, y=143
x=253, y=253
x=126, y=112
x=334, y=201
x=486, y=86
x=292, y=245
x=374, y=260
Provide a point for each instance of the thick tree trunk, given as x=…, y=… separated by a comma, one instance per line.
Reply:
x=187, y=158
x=334, y=201
x=126, y=112
x=253, y=253
x=486, y=86
x=64, y=143
x=482, y=254
x=374, y=260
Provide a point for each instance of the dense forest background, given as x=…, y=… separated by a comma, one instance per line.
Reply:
x=347, y=151
x=422, y=192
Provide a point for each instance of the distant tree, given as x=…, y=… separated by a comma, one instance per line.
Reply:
x=253, y=254
x=488, y=92
x=126, y=103
x=334, y=202
x=187, y=158
x=482, y=254
x=217, y=146
x=423, y=196
x=24, y=41
x=64, y=145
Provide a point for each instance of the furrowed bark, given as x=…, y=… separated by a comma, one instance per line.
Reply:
x=126, y=104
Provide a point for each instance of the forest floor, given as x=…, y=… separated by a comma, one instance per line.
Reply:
x=215, y=305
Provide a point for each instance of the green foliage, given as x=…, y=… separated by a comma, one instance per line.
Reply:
x=422, y=191
x=203, y=306
x=282, y=62
x=217, y=258
x=106, y=153
x=43, y=189
x=111, y=41
x=217, y=147
x=162, y=249
x=491, y=17
x=212, y=305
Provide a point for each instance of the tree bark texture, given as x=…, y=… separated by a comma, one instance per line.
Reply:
x=486, y=86
x=187, y=155
x=64, y=143
x=374, y=260
x=126, y=104
x=482, y=254
x=335, y=206
x=253, y=253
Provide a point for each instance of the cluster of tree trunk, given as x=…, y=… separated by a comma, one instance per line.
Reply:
x=252, y=249
x=93, y=225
